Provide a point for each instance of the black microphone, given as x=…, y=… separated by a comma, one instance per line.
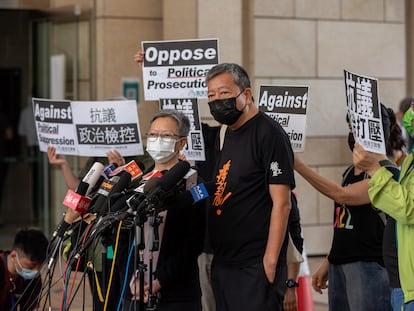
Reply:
x=105, y=175
x=109, y=190
x=157, y=190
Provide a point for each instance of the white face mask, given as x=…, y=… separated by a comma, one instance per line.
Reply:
x=161, y=150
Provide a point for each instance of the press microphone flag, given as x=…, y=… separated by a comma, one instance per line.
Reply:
x=76, y=200
x=199, y=192
x=134, y=168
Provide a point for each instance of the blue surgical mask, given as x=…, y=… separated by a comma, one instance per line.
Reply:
x=26, y=274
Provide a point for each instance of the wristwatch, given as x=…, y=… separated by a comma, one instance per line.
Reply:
x=291, y=283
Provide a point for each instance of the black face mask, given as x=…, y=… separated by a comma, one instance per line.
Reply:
x=351, y=141
x=224, y=110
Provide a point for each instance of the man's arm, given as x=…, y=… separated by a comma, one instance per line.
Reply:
x=58, y=160
x=354, y=194
x=280, y=195
x=290, y=301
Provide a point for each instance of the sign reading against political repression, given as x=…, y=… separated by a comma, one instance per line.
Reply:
x=54, y=125
x=88, y=128
x=177, y=69
x=364, y=111
x=287, y=105
x=195, y=142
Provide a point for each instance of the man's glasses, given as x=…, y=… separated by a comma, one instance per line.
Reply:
x=166, y=137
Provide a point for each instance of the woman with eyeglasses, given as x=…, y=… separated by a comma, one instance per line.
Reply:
x=175, y=281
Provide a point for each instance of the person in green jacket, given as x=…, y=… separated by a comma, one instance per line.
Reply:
x=408, y=119
x=397, y=200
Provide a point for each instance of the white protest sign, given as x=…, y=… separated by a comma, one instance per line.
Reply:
x=104, y=125
x=54, y=125
x=195, y=142
x=177, y=69
x=287, y=105
x=364, y=111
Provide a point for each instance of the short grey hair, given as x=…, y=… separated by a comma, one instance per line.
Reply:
x=240, y=76
x=183, y=123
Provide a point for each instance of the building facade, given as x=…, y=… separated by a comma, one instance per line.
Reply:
x=289, y=42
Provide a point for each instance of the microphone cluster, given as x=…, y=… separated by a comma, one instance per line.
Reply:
x=108, y=195
x=105, y=195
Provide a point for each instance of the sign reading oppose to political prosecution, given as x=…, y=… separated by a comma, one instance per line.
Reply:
x=364, y=111
x=88, y=128
x=287, y=105
x=177, y=69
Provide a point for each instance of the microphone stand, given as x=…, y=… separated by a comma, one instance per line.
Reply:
x=139, y=220
x=154, y=244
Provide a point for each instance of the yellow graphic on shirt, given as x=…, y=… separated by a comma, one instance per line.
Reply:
x=220, y=197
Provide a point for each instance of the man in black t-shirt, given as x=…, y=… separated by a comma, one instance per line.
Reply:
x=250, y=208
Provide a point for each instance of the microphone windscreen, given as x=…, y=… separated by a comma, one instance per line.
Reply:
x=93, y=175
x=151, y=184
x=174, y=175
x=82, y=188
x=124, y=180
x=141, y=165
x=120, y=182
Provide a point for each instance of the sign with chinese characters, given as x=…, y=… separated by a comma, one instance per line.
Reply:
x=364, y=111
x=287, y=105
x=88, y=128
x=102, y=126
x=195, y=142
x=177, y=69
x=54, y=125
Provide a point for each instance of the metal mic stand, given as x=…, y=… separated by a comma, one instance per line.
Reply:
x=139, y=220
x=154, y=245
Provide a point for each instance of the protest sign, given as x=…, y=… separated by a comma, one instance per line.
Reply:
x=177, y=69
x=54, y=125
x=287, y=105
x=88, y=128
x=102, y=126
x=195, y=142
x=364, y=111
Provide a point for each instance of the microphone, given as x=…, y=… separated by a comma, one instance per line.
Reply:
x=109, y=169
x=109, y=190
x=105, y=175
x=195, y=194
x=121, y=203
x=190, y=178
x=91, y=178
x=136, y=169
x=156, y=189
x=76, y=201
